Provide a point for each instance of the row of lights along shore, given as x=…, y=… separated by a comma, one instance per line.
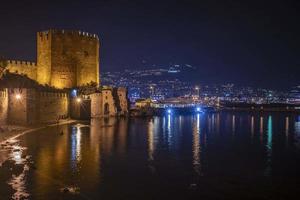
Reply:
x=197, y=110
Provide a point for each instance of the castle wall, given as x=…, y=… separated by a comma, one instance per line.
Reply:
x=22, y=67
x=80, y=109
x=123, y=101
x=21, y=110
x=44, y=57
x=36, y=107
x=68, y=59
x=52, y=107
x=3, y=106
x=65, y=59
x=33, y=107
x=108, y=103
x=96, y=105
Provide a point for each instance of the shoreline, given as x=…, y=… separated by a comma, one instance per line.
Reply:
x=17, y=131
x=10, y=136
x=15, y=161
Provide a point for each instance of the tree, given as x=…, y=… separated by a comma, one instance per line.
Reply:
x=3, y=65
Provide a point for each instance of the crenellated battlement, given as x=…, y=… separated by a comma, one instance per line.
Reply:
x=21, y=63
x=65, y=59
x=105, y=87
x=22, y=67
x=53, y=94
x=3, y=93
x=45, y=34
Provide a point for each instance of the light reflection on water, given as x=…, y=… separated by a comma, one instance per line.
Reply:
x=252, y=127
x=76, y=146
x=150, y=140
x=196, y=145
x=111, y=157
x=261, y=128
x=18, y=179
x=233, y=124
x=269, y=146
x=297, y=130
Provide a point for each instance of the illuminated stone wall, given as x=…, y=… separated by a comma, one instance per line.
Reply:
x=21, y=110
x=80, y=109
x=108, y=103
x=70, y=58
x=36, y=107
x=33, y=107
x=44, y=57
x=65, y=59
x=3, y=106
x=52, y=106
x=123, y=100
x=22, y=67
x=96, y=105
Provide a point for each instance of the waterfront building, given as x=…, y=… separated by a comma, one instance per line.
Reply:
x=60, y=84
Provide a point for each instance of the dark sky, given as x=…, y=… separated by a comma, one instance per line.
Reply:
x=252, y=43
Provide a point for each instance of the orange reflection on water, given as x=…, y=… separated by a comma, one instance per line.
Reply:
x=233, y=124
x=287, y=130
x=252, y=126
x=150, y=140
x=261, y=128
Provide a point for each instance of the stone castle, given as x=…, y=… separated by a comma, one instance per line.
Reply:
x=66, y=61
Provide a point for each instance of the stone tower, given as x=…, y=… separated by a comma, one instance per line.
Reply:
x=67, y=59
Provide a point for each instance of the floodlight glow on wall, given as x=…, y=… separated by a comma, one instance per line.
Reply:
x=18, y=96
x=78, y=100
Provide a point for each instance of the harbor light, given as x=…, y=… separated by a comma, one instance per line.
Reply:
x=198, y=109
x=18, y=96
x=169, y=111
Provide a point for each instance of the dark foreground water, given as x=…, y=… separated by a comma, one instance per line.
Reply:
x=205, y=156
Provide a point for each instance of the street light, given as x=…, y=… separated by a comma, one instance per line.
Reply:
x=151, y=90
x=78, y=100
x=169, y=111
x=18, y=96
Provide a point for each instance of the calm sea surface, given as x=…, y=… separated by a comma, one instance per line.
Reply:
x=208, y=156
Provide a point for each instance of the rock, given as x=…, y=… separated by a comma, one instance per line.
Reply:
x=66, y=190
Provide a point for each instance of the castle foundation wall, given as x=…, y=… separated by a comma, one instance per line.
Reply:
x=28, y=106
x=80, y=109
x=52, y=107
x=108, y=103
x=3, y=106
x=96, y=105
x=21, y=106
x=123, y=101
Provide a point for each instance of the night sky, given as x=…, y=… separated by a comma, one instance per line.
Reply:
x=253, y=43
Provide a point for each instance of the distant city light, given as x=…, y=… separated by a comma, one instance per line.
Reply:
x=18, y=96
x=198, y=109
